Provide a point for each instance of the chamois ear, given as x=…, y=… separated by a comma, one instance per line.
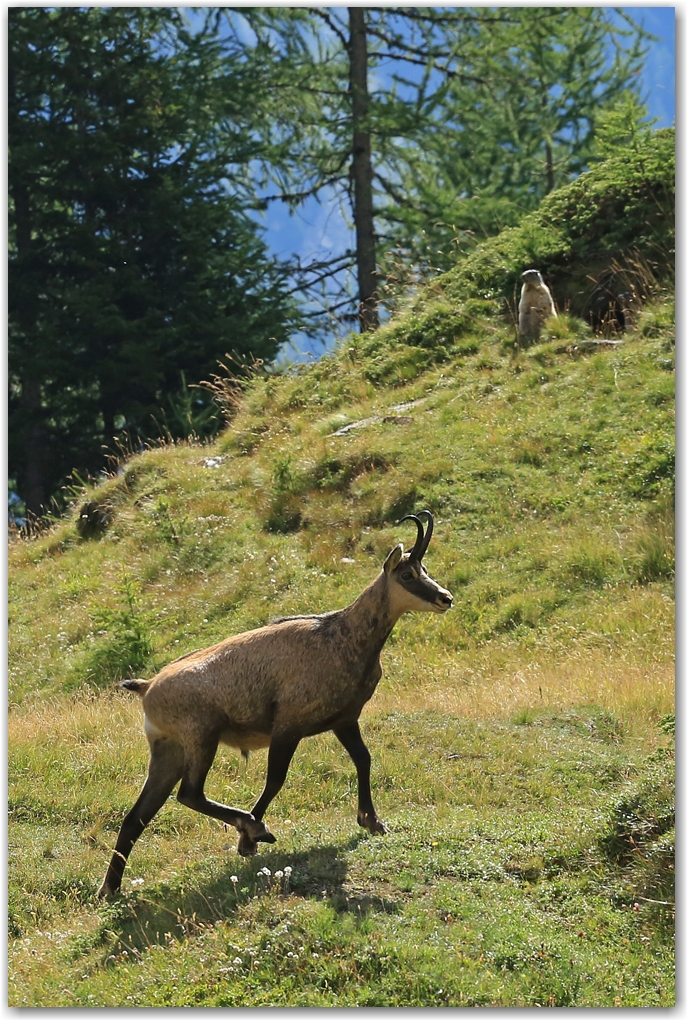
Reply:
x=393, y=559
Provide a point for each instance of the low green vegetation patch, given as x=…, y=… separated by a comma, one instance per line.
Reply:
x=619, y=218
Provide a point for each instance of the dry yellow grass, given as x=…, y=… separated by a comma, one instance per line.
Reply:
x=634, y=693
x=471, y=686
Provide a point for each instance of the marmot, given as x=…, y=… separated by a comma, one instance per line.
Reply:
x=536, y=305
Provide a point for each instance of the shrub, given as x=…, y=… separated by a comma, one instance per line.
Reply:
x=94, y=517
x=336, y=473
x=126, y=644
x=657, y=319
x=517, y=611
x=168, y=528
x=651, y=471
x=644, y=812
x=626, y=204
x=285, y=509
x=651, y=556
x=565, y=327
x=532, y=452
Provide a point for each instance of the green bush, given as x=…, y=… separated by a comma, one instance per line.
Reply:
x=125, y=645
x=644, y=812
x=624, y=205
x=651, y=556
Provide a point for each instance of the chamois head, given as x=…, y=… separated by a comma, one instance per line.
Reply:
x=411, y=586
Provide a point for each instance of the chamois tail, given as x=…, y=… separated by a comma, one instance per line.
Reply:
x=139, y=686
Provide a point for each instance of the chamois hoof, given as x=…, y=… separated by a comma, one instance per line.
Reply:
x=251, y=834
x=106, y=892
x=247, y=847
x=375, y=826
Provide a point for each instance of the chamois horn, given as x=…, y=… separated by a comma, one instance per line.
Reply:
x=423, y=537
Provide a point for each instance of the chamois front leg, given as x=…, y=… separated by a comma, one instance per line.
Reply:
x=191, y=794
x=351, y=738
x=282, y=749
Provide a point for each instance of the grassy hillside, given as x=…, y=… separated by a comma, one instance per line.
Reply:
x=522, y=747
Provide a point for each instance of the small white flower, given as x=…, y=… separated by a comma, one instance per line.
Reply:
x=315, y=956
x=237, y=961
x=267, y=872
x=233, y=878
x=279, y=874
x=288, y=869
x=137, y=881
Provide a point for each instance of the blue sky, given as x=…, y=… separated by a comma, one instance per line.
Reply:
x=658, y=80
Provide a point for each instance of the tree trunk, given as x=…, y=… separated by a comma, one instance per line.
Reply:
x=30, y=481
x=361, y=173
x=31, y=477
x=550, y=181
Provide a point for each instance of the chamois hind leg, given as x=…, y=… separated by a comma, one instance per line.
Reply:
x=199, y=758
x=164, y=772
x=279, y=757
x=351, y=738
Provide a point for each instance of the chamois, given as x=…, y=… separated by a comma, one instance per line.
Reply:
x=271, y=687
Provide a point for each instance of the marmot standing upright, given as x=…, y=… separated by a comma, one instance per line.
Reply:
x=536, y=305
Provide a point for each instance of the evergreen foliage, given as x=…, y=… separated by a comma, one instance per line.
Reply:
x=473, y=116
x=132, y=257
x=621, y=210
x=518, y=118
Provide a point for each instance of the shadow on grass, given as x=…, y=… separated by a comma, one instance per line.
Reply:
x=135, y=922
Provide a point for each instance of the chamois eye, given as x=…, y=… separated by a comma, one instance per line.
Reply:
x=407, y=575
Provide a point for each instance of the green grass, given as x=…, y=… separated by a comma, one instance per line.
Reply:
x=550, y=476
x=500, y=882
x=520, y=754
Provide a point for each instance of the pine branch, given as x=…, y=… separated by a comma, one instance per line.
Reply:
x=307, y=284
x=322, y=13
x=473, y=79
x=412, y=14
x=330, y=309
x=299, y=196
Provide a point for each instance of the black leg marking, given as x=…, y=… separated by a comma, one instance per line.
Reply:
x=191, y=794
x=279, y=758
x=351, y=738
x=164, y=772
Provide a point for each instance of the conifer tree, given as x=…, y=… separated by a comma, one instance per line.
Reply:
x=132, y=256
x=473, y=115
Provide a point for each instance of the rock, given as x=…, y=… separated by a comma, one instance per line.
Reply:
x=94, y=517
